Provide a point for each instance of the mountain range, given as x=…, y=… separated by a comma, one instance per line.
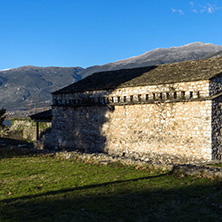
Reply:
x=25, y=87
x=28, y=86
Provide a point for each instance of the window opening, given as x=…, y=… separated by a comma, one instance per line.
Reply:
x=175, y=95
x=183, y=94
x=131, y=98
x=167, y=95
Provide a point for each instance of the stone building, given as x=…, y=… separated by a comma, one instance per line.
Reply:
x=172, y=109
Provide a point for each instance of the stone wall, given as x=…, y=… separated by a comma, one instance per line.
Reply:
x=174, y=119
x=199, y=168
x=143, y=94
x=173, y=128
x=79, y=127
x=163, y=92
x=217, y=128
x=215, y=85
x=27, y=128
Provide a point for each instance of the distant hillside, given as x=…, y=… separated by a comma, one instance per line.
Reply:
x=191, y=51
x=28, y=85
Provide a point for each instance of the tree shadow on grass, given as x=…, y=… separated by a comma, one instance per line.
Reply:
x=134, y=200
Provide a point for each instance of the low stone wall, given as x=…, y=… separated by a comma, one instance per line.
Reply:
x=154, y=160
x=201, y=170
x=26, y=128
x=105, y=159
x=164, y=163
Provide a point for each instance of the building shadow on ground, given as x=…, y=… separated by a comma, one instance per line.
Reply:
x=181, y=203
x=63, y=191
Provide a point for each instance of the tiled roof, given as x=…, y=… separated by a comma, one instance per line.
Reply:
x=44, y=116
x=187, y=71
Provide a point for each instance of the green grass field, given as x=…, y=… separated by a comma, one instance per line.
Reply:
x=41, y=188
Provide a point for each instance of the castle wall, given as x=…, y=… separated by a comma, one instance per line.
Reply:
x=215, y=85
x=165, y=128
x=173, y=119
x=80, y=127
x=141, y=94
x=174, y=91
x=216, y=128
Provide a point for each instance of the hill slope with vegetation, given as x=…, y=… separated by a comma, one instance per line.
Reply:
x=26, y=86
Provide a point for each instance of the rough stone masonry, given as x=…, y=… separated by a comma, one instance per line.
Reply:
x=172, y=109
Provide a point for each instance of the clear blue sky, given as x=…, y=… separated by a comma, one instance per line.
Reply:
x=89, y=32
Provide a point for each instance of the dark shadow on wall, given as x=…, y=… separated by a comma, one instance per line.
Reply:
x=77, y=124
x=216, y=124
x=140, y=203
x=216, y=117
